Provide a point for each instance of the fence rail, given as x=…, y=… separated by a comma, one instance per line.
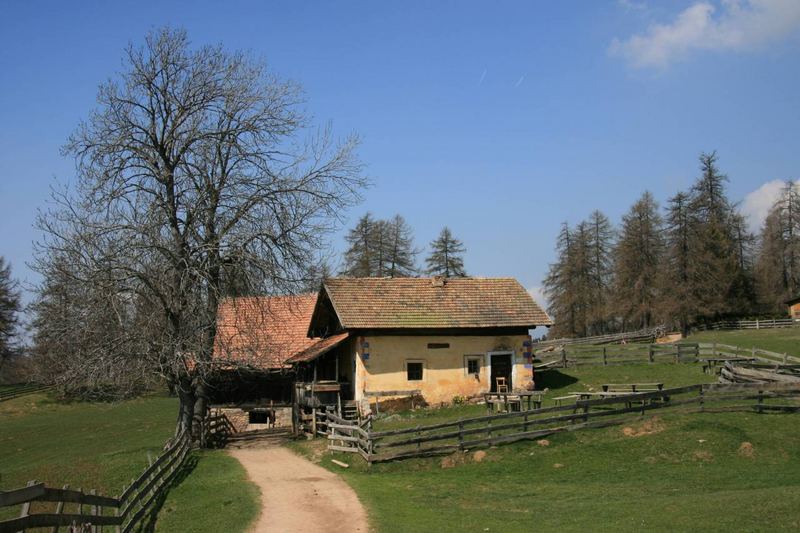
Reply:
x=642, y=335
x=22, y=390
x=119, y=513
x=750, y=324
x=470, y=433
x=655, y=353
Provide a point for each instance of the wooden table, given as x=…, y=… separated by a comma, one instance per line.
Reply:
x=632, y=387
x=506, y=399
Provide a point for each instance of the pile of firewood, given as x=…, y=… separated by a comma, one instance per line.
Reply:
x=738, y=372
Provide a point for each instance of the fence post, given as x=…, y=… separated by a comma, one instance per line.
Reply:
x=563, y=358
x=461, y=434
x=757, y=325
x=714, y=349
x=702, y=399
x=605, y=360
x=760, y=406
x=650, y=353
x=677, y=353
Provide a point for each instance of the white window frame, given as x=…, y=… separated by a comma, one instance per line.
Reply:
x=473, y=357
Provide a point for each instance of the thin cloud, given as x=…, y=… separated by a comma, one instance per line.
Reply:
x=483, y=77
x=736, y=25
x=519, y=81
x=756, y=204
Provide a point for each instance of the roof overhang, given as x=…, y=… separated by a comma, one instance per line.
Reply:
x=319, y=348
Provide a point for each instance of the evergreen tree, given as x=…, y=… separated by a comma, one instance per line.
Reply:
x=559, y=287
x=380, y=248
x=778, y=261
x=599, y=272
x=677, y=297
x=447, y=256
x=401, y=254
x=637, y=264
x=360, y=257
x=9, y=308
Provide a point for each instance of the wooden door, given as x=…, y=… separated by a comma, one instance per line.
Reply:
x=501, y=368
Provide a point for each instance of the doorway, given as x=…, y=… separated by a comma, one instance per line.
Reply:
x=500, y=365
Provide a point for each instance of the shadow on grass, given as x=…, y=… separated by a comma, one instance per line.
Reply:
x=148, y=523
x=553, y=379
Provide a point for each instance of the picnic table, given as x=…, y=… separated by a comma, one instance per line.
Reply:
x=632, y=387
x=507, y=400
x=586, y=395
x=711, y=362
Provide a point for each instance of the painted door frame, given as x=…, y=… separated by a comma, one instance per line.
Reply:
x=489, y=366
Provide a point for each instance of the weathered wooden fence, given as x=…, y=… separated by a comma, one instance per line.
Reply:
x=641, y=335
x=54, y=508
x=21, y=390
x=750, y=324
x=619, y=354
x=470, y=433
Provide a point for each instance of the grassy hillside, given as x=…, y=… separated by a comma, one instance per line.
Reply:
x=667, y=472
x=102, y=446
x=780, y=340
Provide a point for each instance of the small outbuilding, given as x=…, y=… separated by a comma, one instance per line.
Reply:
x=794, y=308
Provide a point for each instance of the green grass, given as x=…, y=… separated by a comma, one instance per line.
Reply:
x=104, y=445
x=216, y=496
x=685, y=473
x=780, y=340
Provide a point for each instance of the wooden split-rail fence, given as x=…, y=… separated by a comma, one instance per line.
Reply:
x=15, y=391
x=641, y=335
x=469, y=433
x=86, y=511
x=684, y=352
x=767, y=323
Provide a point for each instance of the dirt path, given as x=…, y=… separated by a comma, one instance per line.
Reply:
x=299, y=496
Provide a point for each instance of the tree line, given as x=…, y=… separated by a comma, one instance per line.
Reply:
x=692, y=262
x=385, y=248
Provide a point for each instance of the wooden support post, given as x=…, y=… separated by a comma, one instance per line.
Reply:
x=702, y=399
x=525, y=425
x=586, y=412
x=313, y=422
x=650, y=353
x=419, y=436
x=26, y=507
x=714, y=349
x=677, y=353
x=461, y=434
x=93, y=511
x=605, y=356
x=59, y=510
x=563, y=358
x=760, y=406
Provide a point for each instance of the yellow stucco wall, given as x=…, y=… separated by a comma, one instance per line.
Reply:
x=444, y=375
x=794, y=310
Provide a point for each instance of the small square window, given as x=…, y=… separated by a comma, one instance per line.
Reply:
x=473, y=366
x=414, y=371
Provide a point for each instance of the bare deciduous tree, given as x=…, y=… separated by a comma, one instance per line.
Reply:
x=192, y=167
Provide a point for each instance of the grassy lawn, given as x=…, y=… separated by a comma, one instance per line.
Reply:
x=668, y=472
x=104, y=445
x=687, y=475
x=780, y=340
x=216, y=496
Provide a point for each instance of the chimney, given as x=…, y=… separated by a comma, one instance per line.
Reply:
x=437, y=281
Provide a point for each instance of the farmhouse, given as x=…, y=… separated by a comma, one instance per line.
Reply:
x=794, y=308
x=379, y=337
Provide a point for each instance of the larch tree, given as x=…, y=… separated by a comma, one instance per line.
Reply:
x=560, y=286
x=196, y=160
x=677, y=298
x=601, y=237
x=637, y=264
x=447, y=256
x=778, y=257
x=380, y=248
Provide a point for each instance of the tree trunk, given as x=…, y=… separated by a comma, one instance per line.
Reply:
x=200, y=410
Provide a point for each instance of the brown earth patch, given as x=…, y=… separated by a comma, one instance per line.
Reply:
x=647, y=427
x=747, y=450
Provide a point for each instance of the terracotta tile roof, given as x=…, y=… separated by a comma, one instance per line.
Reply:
x=320, y=347
x=377, y=303
x=264, y=331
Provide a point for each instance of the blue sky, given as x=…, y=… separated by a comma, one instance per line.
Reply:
x=499, y=119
